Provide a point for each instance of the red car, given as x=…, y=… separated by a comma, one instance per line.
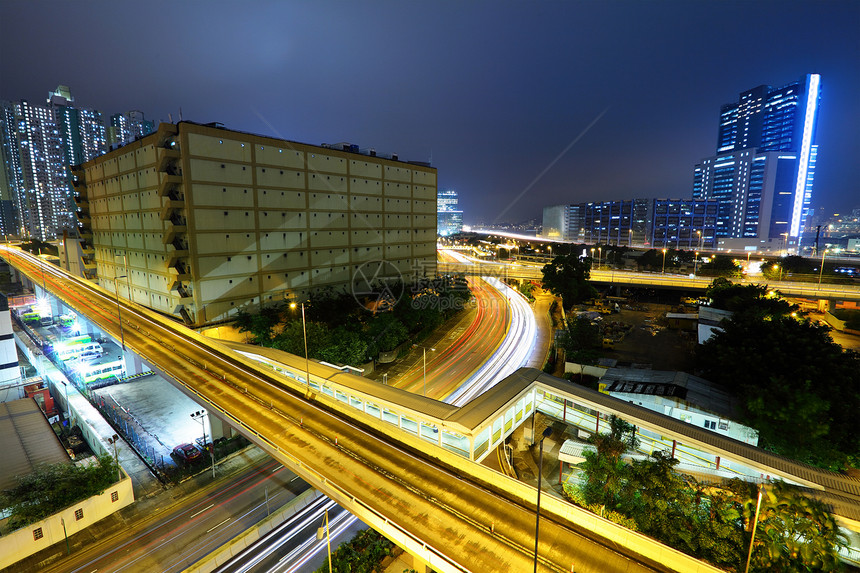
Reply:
x=186, y=452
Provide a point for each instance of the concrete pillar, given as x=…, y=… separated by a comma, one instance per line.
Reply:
x=220, y=428
x=133, y=363
x=418, y=564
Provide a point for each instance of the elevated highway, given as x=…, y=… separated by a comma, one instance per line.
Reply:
x=654, y=280
x=448, y=512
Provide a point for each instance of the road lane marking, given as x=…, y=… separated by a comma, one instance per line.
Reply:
x=217, y=526
x=201, y=511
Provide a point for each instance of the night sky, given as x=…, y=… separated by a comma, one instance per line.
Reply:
x=551, y=102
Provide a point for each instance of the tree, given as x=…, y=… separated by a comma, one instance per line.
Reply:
x=260, y=325
x=720, y=265
x=292, y=340
x=797, y=387
x=567, y=276
x=50, y=488
x=581, y=341
x=747, y=298
x=795, y=533
x=604, y=469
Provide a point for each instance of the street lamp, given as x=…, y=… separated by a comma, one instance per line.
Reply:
x=696, y=263
x=592, y=256
x=599, y=253
x=118, y=311
x=784, y=243
x=305, y=333
x=821, y=272
x=755, y=524
x=113, y=440
x=778, y=266
x=699, y=240
x=629, y=238
x=546, y=433
x=199, y=417
x=663, y=272
x=424, y=349
x=327, y=534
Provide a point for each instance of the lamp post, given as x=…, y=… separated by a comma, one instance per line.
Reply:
x=305, y=334
x=42, y=268
x=113, y=440
x=699, y=240
x=821, y=272
x=424, y=350
x=592, y=257
x=199, y=417
x=784, y=243
x=629, y=238
x=327, y=534
x=118, y=311
x=755, y=524
x=663, y=272
x=546, y=433
x=599, y=254
x=696, y=263
x=778, y=266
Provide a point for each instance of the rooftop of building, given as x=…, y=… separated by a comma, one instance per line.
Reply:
x=218, y=126
x=26, y=440
x=673, y=384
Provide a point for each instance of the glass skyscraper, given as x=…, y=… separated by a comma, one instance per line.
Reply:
x=449, y=217
x=763, y=171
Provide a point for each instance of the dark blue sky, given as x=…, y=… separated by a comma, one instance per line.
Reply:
x=494, y=91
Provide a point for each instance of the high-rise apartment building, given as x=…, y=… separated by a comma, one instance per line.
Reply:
x=126, y=127
x=205, y=221
x=762, y=174
x=448, y=213
x=37, y=146
x=81, y=130
x=35, y=172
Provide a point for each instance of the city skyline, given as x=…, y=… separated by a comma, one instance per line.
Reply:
x=517, y=106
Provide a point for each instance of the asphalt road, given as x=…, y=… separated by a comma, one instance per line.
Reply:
x=446, y=511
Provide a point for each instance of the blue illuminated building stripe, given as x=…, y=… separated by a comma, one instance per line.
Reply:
x=805, y=147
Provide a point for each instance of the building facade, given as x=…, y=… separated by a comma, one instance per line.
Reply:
x=609, y=222
x=205, y=221
x=687, y=224
x=38, y=144
x=126, y=127
x=35, y=172
x=762, y=173
x=448, y=213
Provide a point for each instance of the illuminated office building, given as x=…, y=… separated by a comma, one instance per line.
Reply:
x=448, y=213
x=763, y=170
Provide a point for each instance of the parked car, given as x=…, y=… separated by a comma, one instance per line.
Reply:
x=186, y=452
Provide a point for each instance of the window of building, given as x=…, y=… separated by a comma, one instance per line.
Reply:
x=79, y=514
x=37, y=534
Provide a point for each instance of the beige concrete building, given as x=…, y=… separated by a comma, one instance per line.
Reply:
x=199, y=221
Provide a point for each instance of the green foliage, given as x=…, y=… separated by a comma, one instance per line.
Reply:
x=361, y=554
x=340, y=330
x=653, y=259
x=605, y=472
x=260, y=325
x=710, y=522
x=720, y=265
x=795, y=533
x=726, y=295
x=575, y=496
x=581, y=341
x=567, y=277
x=802, y=398
x=50, y=488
